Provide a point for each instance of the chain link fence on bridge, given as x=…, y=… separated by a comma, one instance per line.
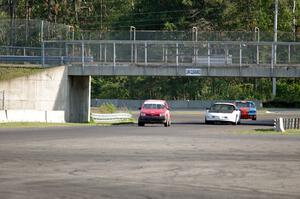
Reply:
x=30, y=33
x=21, y=41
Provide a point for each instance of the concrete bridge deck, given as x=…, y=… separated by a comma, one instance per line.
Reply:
x=233, y=70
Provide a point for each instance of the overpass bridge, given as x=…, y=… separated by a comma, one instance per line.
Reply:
x=175, y=58
x=163, y=58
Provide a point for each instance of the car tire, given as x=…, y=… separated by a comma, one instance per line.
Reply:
x=236, y=121
x=141, y=124
x=254, y=118
x=166, y=124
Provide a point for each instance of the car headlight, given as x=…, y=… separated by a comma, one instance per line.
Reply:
x=161, y=114
x=143, y=114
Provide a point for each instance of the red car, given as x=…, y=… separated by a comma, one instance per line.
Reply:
x=155, y=111
x=247, y=108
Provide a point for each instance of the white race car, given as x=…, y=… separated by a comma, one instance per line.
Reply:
x=223, y=112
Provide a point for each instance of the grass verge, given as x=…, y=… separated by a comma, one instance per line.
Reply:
x=40, y=124
x=7, y=73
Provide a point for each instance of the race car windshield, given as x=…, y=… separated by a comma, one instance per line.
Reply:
x=243, y=104
x=222, y=108
x=153, y=106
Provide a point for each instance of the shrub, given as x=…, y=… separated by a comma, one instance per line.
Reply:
x=278, y=103
x=107, y=108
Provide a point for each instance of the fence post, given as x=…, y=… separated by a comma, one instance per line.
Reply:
x=105, y=51
x=177, y=55
x=146, y=53
x=132, y=37
x=100, y=52
x=208, y=54
x=114, y=56
x=289, y=56
x=82, y=53
x=42, y=31
x=257, y=45
x=43, y=54
x=66, y=53
x=166, y=54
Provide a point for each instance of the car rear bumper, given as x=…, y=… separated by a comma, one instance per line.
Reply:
x=219, y=120
x=248, y=116
x=152, y=119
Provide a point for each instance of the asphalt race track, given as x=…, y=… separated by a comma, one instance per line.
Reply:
x=187, y=160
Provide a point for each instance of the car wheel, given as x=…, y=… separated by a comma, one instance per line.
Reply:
x=254, y=117
x=166, y=124
x=239, y=121
x=236, y=121
x=170, y=122
x=141, y=124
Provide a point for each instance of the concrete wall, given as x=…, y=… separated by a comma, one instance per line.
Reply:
x=47, y=90
x=50, y=90
x=174, y=104
x=32, y=116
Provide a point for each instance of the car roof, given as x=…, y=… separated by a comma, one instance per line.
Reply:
x=154, y=101
x=225, y=103
x=243, y=101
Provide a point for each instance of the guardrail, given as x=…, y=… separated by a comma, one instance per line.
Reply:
x=114, y=117
x=282, y=124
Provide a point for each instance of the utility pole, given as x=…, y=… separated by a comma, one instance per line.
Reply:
x=275, y=48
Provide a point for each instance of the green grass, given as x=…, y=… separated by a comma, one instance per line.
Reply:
x=40, y=124
x=8, y=72
x=46, y=125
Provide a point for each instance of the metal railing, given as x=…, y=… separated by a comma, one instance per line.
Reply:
x=113, y=117
x=177, y=53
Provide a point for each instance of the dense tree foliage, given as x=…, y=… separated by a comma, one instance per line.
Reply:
x=207, y=15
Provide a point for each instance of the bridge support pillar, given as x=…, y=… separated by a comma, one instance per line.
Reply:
x=80, y=95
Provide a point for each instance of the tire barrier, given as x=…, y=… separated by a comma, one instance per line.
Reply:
x=282, y=124
x=113, y=117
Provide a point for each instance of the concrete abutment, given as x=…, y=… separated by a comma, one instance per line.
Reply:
x=52, y=91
